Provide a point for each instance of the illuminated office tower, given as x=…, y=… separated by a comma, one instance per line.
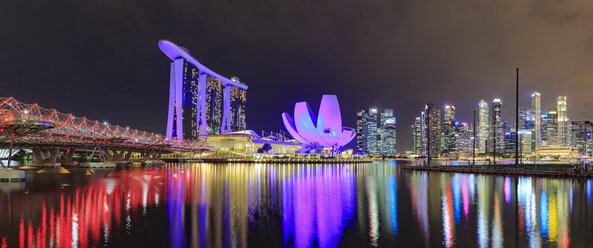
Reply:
x=544, y=129
x=213, y=104
x=200, y=99
x=537, y=113
x=509, y=140
x=361, y=131
x=238, y=101
x=582, y=140
x=380, y=117
x=431, y=131
x=371, y=126
x=498, y=126
x=563, y=125
x=388, y=133
x=189, y=102
x=526, y=119
x=527, y=124
x=526, y=143
x=376, y=132
x=552, y=127
x=448, y=134
x=464, y=140
x=483, y=126
x=417, y=136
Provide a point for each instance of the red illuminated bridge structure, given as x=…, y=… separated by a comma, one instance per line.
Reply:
x=56, y=137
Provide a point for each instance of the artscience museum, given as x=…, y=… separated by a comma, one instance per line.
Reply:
x=322, y=131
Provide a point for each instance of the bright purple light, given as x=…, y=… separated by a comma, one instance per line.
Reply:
x=327, y=130
x=174, y=52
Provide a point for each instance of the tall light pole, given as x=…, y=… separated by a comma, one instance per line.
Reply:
x=494, y=134
x=474, y=150
x=517, y=122
x=429, y=115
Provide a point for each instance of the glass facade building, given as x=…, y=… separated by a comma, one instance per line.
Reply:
x=509, y=141
x=388, y=133
x=550, y=128
x=201, y=102
x=372, y=134
x=377, y=132
x=536, y=103
x=361, y=131
x=213, y=105
x=417, y=136
x=431, y=131
x=189, y=101
x=449, y=130
x=238, y=114
x=526, y=126
x=483, y=126
x=526, y=143
x=563, y=122
x=464, y=140
x=497, y=126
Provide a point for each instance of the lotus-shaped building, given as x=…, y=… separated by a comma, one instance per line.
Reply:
x=326, y=130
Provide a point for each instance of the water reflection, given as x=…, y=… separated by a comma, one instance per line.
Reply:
x=237, y=205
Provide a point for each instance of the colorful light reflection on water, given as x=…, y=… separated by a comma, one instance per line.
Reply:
x=240, y=205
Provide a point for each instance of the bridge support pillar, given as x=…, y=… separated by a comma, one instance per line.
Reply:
x=118, y=156
x=152, y=158
x=67, y=158
x=38, y=155
x=128, y=156
x=46, y=157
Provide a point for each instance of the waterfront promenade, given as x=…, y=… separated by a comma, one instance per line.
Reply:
x=575, y=170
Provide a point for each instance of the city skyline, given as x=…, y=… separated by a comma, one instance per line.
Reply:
x=209, y=123
x=116, y=52
x=488, y=112
x=547, y=133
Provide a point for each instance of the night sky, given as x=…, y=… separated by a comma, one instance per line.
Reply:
x=100, y=59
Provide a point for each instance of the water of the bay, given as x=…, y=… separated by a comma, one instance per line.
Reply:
x=283, y=205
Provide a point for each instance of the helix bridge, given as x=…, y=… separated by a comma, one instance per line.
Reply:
x=56, y=136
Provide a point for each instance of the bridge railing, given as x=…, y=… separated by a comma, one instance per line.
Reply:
x=12, y=111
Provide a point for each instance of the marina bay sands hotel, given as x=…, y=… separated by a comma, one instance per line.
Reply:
x=201, y=102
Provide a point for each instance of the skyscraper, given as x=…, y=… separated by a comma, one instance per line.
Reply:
x=361, y=131
x=371, y=130
x=563, y=125
x=238, y=102
x=189, y=117
x=552, y=127
x=448, y=134
x=526, y=124
x=537, y=113
x=388, y=133
x=214, y=104
x=417, y=145
x=544, y=129
x=201, y=102
x=498, y=126
x=483, y=126
x=431, y=131
x=464, y=140
x=376, y=129
x=509, y=140
x=526, y=143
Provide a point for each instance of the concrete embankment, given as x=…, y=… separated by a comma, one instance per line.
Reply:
x=505, y=170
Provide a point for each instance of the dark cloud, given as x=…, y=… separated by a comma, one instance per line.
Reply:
x=100, y=58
